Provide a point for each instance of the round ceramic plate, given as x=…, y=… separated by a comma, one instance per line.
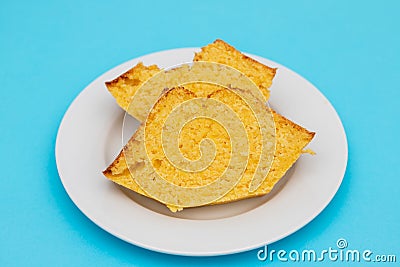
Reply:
x=90, y=137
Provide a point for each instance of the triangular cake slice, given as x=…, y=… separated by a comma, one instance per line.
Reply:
x=124, y=87
x=290, y=141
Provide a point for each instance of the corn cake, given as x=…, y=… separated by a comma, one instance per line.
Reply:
x=124, y=87
x=290, y=140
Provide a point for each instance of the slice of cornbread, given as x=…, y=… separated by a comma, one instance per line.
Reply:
x=223, y=53
x=290, y=141
x=124, y=87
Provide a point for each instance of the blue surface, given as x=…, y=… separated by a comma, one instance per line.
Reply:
x=50, y=51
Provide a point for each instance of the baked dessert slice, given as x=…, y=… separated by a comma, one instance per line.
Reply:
x=290, y=140
x=124, y=87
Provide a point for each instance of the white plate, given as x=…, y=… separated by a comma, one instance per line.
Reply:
x=89, y=138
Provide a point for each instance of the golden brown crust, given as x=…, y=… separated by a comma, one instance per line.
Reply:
x=293, y=125
x=244, y=57
x=131, y=72
x=108, y=172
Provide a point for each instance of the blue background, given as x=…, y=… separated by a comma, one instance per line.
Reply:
x=50, y=51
